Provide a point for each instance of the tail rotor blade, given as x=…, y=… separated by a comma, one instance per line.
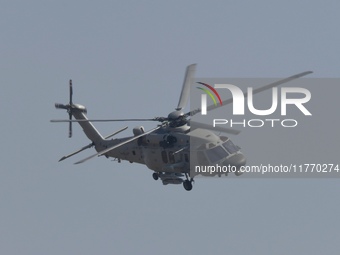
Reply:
x=71, y=92
x=70, y=109
x=60, y=106
x=70, y=126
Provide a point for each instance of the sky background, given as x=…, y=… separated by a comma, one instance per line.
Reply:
x=127, y=60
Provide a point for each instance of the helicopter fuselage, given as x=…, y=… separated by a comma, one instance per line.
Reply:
x=176, y=150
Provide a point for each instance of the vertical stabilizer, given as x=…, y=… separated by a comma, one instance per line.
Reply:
x=90, y=131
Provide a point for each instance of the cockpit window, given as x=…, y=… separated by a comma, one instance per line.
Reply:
x=216, y=154
x=230, y=147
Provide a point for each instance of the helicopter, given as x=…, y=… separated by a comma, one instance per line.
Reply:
x=170, y=148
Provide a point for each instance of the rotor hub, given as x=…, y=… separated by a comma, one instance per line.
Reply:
x=175, y=115
x=177, y=119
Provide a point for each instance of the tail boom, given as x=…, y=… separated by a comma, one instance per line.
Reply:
x=90, y=131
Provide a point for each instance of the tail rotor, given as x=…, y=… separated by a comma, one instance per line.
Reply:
x=70, y=107
x=70, y=111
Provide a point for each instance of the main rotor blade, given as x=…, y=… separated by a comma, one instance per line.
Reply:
x=76, y=152
x=118, y=145
x=105, y=120
x=255, y=91
x=188, y=79
x=216, y=128
x=116, y=132
x=91, y=144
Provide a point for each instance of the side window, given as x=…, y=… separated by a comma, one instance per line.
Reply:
x=164, y=157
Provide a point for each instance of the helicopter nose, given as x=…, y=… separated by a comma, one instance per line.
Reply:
x=238, y=160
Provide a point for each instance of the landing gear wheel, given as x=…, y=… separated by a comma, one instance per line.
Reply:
x=155, y=176
x=187, y=185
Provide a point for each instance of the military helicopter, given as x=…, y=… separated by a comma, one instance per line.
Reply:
x=170, y=148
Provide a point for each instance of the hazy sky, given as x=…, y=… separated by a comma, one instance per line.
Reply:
x=127, y=60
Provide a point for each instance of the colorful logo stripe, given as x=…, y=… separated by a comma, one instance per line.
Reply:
x=209, y=93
